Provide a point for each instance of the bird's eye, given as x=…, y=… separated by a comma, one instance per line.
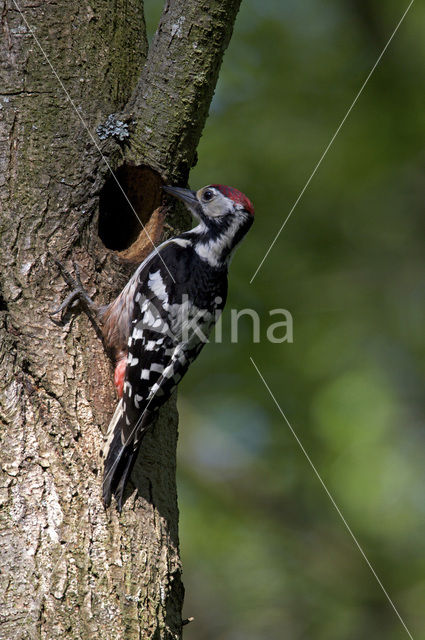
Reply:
x=207, y=195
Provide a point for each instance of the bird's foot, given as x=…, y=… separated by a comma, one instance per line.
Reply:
x=77, y=295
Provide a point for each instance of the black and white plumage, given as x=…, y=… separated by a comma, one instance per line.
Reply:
x=161, y=320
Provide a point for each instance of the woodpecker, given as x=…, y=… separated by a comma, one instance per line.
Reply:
x=161, y=320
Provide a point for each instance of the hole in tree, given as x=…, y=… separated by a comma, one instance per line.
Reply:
x=119, y=226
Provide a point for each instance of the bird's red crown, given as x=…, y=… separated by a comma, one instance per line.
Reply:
x=236, y=195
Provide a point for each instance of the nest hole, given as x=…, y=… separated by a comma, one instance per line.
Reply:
x=126, y=205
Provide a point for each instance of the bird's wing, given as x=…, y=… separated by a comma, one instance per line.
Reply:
x=156, y=362
x=117, y=316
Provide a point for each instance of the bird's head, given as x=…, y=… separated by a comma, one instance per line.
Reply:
x=215, y=203
x=225, y=215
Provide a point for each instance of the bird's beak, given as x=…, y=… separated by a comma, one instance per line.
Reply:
x=186, y=195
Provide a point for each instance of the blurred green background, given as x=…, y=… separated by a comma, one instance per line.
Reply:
x=265, y=554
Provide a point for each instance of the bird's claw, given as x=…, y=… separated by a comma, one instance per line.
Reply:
x=78, y=292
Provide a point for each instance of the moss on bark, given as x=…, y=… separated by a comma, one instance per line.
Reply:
x=70, y=570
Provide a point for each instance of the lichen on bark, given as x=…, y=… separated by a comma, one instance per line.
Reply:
x=70, y=569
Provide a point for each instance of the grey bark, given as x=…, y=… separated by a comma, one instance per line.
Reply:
x=68, y=568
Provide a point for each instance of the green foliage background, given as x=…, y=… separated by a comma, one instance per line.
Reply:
x=265, y=554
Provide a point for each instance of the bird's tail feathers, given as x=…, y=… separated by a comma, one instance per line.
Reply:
x=118, y=413
x=119, y=463
x=120, y=457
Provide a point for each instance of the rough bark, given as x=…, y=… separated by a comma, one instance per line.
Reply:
x=70, y=569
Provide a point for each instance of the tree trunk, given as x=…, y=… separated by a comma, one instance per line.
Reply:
x=70, y=569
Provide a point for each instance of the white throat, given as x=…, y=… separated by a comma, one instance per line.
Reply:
x=212, y=250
